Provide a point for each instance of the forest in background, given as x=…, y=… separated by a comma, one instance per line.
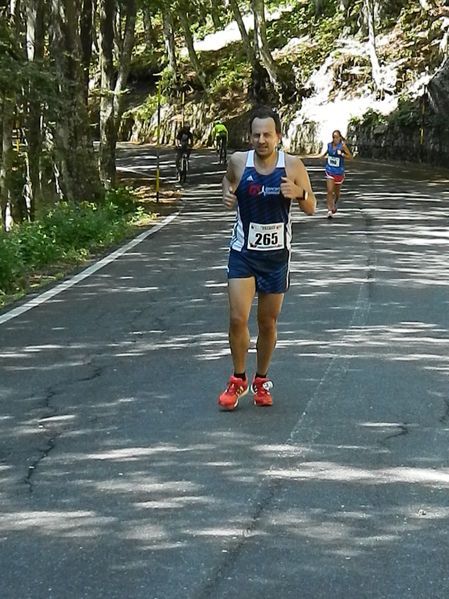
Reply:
x=77, y=75
x=68, y=70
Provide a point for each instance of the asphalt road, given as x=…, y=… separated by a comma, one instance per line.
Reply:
x=120, y=478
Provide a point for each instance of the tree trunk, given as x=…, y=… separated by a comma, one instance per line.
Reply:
x=35, y=53
x=124, y=61
x=86, y=29
x=375, y=67
x=215, y=14
x=8, y=106
x=6, y=161
x=262, y=43
x=73, y=146
x=185, y=24
x=319, y=5
x=250, y=53
x=108, y=137
x=148, y=26
x=169, y=40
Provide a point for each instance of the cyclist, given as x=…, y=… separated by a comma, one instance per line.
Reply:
x=220, y=133
x=184, y=143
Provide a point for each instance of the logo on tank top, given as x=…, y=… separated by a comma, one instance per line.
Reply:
x=257, y=189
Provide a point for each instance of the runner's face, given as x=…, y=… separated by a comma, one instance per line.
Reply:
x=264, y=137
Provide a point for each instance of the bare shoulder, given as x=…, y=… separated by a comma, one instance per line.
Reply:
x=238, y=158
x=292, y=160
x=294, y=166
x=236, y=166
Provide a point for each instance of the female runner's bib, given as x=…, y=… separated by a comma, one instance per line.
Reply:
x=335, y=164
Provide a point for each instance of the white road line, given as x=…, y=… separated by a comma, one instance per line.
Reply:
x=40, y=299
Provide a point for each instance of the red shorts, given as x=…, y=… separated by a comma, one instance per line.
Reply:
x=338, y=179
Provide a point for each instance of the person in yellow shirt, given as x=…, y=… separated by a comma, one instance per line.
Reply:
x=220, y=139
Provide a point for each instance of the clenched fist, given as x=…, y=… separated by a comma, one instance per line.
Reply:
x=289, y=189
x=229, y=198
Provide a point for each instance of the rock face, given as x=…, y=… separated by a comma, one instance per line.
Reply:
x=400, y=144
x=438, y=90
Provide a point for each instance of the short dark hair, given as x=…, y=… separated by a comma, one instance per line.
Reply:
x=265, y=112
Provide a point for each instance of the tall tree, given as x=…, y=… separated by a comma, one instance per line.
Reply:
x=33, y=108
x=10, y=63
x=113, y=79
x=370, y=9
x=107, y=122
x=87, y=35
x=263, y=48
x=169, y=39
x=249, y=50
x=73, y=146
x=184, y=19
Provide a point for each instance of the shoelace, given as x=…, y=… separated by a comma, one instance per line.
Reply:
x=234, y=388
x=266, y=386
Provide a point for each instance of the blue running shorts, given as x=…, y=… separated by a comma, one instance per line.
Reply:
x=271, y=276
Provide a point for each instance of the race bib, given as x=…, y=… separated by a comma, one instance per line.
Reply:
x=266, y=237
x=333, y=161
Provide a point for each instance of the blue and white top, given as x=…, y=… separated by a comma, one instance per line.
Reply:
x=263, y=222
x=335, y=164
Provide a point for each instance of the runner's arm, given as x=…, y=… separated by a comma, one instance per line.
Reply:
x=346, y=152
x=296, y=185
x=232, y=178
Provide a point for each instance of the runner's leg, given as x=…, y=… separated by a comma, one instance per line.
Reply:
x=337, y=189
x=330, y=186
x=241, y=293
x=268, y=309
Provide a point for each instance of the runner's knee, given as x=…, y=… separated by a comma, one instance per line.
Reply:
x=237, y=322
x=267, y=324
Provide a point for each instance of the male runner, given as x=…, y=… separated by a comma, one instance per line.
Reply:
x=263, y=182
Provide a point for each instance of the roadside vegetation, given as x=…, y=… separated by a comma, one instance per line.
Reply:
x=68, y=235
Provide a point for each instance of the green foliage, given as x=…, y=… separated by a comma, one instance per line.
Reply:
x=230, y=71
x=407, y=114
x=11, y=59
x=122, y=199
x=145, y=110
x=66, y=233
x=372, y=118
x=12, y=267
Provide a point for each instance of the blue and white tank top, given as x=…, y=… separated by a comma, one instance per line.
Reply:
x=263, y=223
x=335, y=164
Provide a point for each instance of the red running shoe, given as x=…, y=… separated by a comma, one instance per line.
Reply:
x=236, y=389
x=261, y=389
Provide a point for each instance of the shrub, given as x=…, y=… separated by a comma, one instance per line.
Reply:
x=67, y=232
x=12, y=266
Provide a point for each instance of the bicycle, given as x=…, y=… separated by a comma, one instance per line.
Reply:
x=183, y=166
x=221, y=150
